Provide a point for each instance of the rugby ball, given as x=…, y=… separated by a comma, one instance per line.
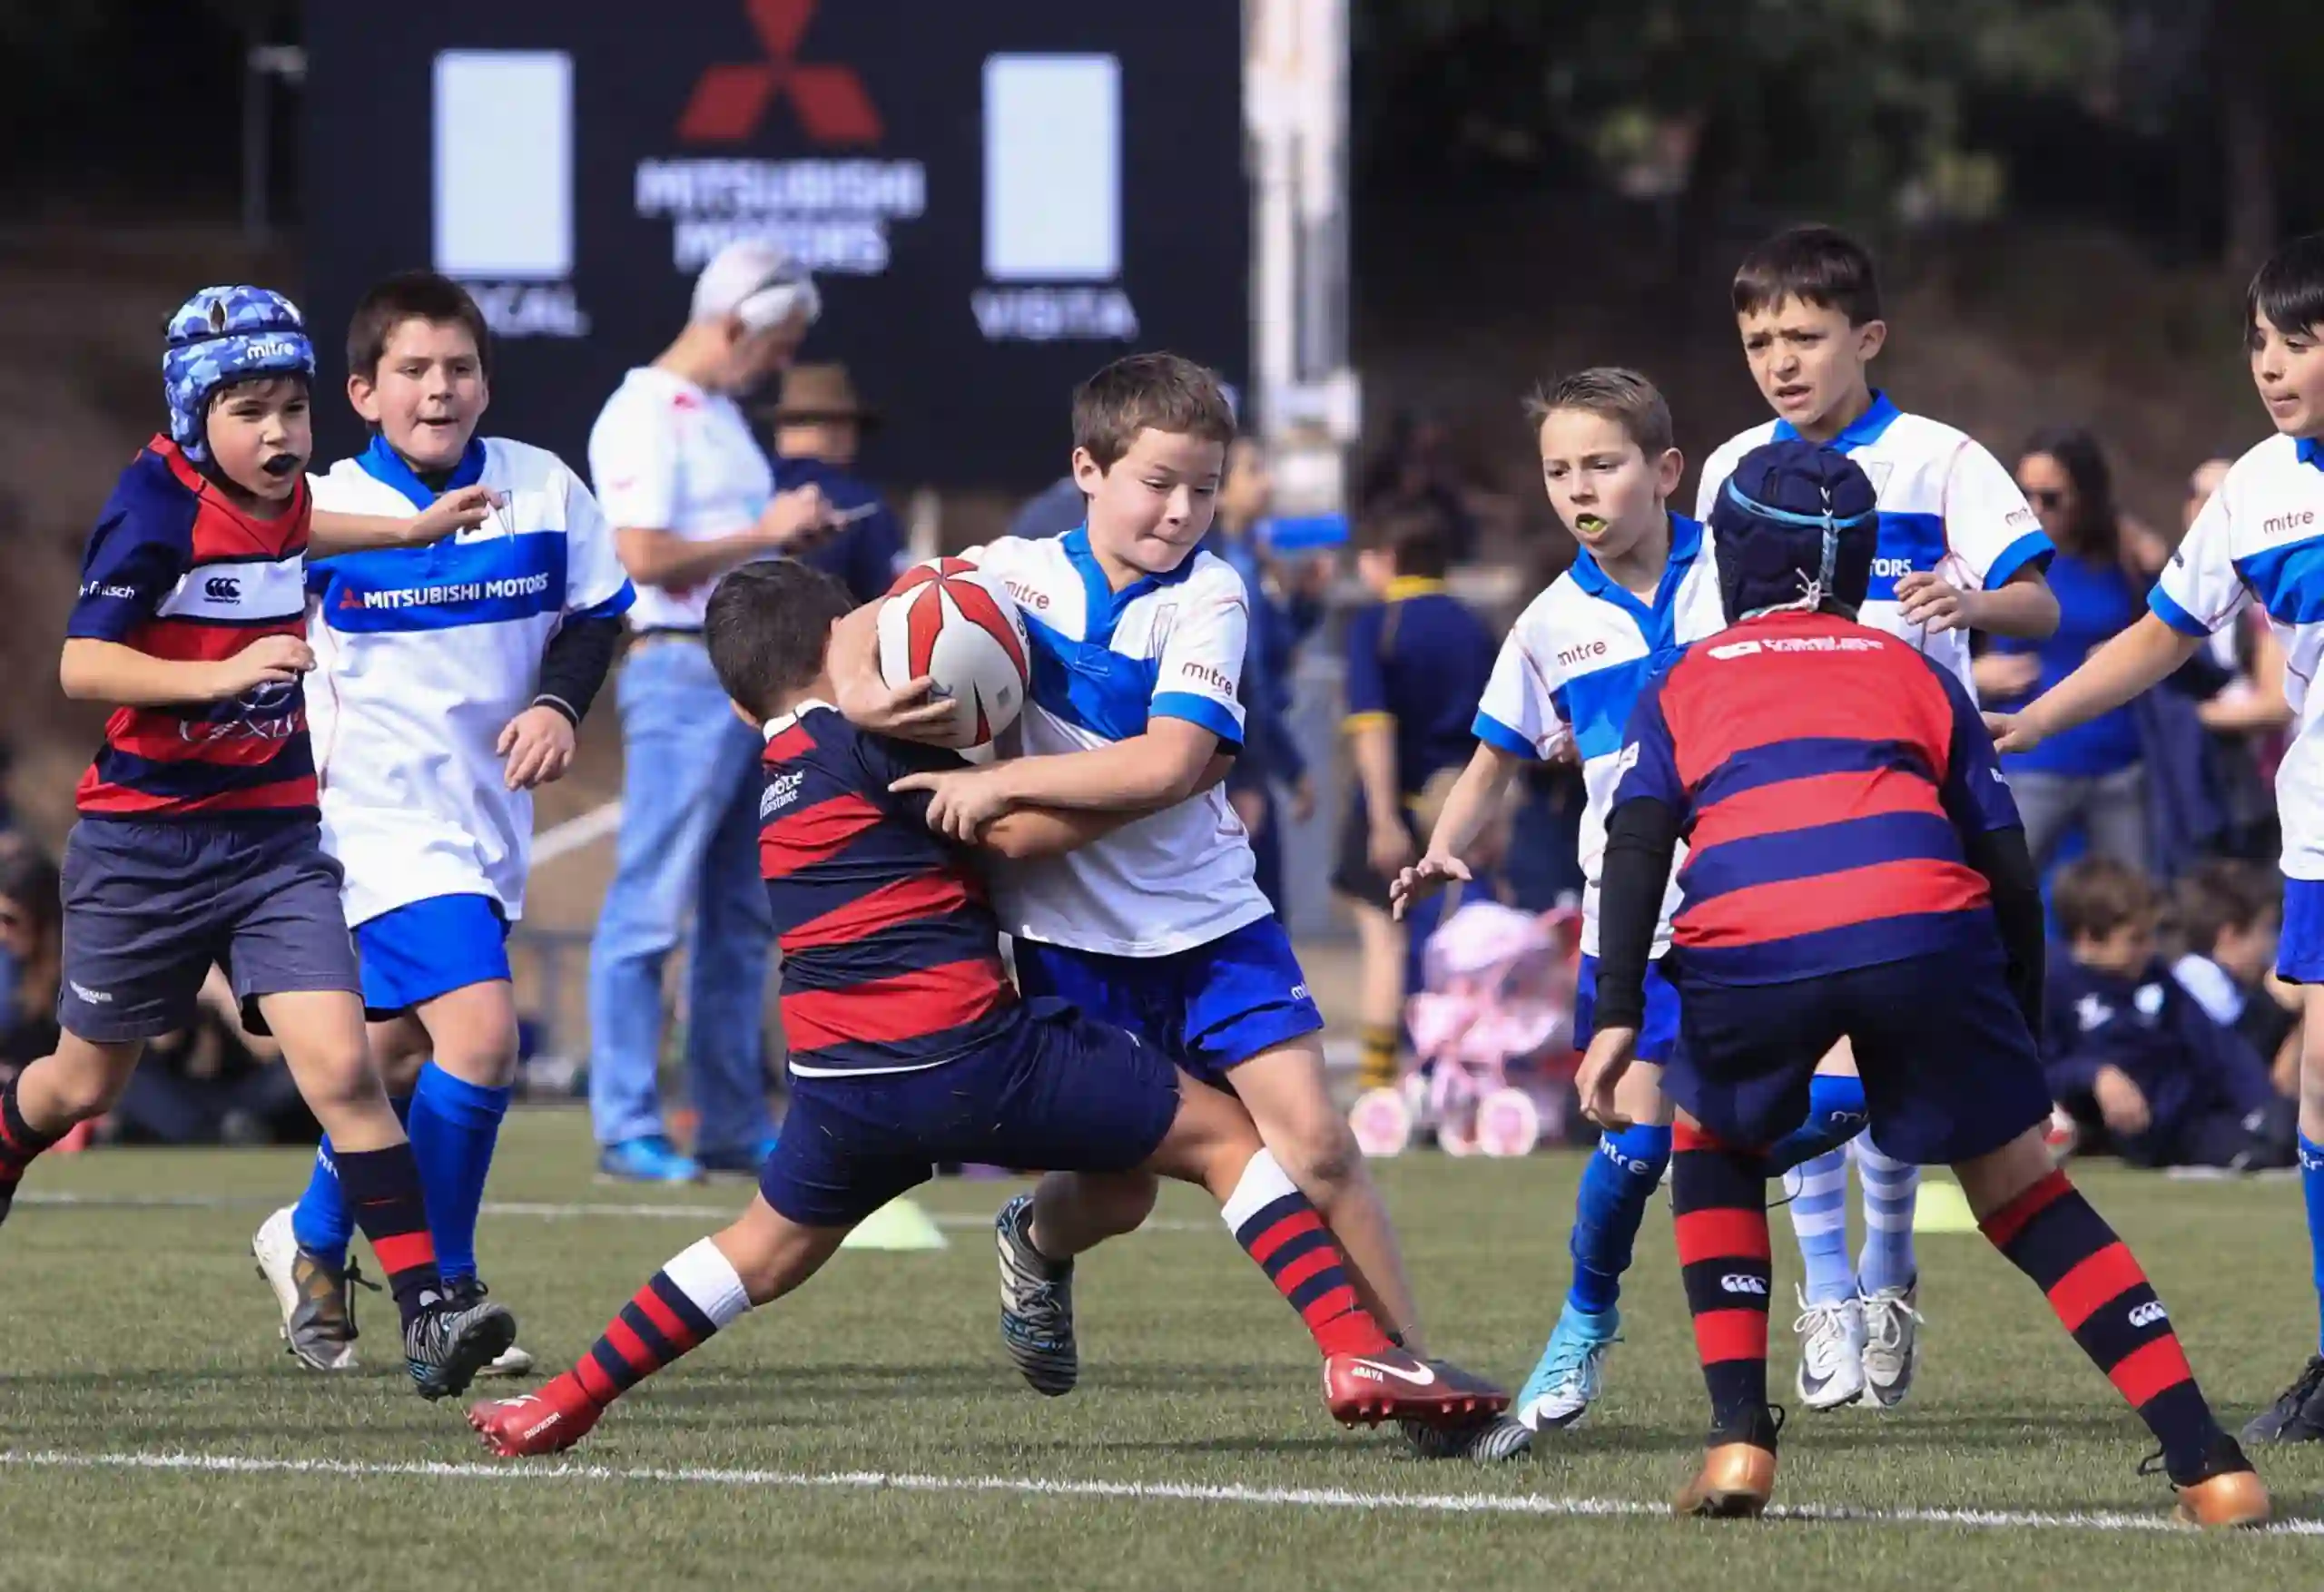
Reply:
x=949, y=621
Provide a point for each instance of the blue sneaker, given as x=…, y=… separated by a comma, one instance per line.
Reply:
x=1573, y=1371
x=650, y=1159
x=736, y=1163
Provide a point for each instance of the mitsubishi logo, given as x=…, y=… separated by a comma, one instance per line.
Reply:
x=731, y=99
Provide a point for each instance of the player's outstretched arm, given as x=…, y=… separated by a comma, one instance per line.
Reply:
x=1051, y=831
x=331, y=532
x=2135, y=660
x=91, y=670
x=1475, y=796
x=2022, y=606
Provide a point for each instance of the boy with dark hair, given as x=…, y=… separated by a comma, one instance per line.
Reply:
x=908, y=1047
x=2230, y=917
x=1138, y=642
x=2125, y=1040
x=456, y=675
x=198, y=840
x=1417, y=663
x=1821, y=764
x=2256, y=542
x=1959, y=550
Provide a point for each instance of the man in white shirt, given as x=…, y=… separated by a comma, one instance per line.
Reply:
x=692, y=496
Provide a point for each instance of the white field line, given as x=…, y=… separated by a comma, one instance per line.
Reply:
x=1294, y=1498
x=580, y=1211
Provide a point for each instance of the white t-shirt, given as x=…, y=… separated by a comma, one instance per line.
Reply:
x=2261, y=539
x=1572, y=668
x=422, y=656
x=668, y=456
x=1946, y=506
x=1103, y=664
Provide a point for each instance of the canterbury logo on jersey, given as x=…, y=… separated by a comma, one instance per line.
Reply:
x=2147, y=1314
x=1743, y=1283
x=244, y=589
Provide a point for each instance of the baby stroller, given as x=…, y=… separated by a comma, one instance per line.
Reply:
x=1493, y=1037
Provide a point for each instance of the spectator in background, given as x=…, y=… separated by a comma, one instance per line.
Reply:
x=31, y=936
x=2229, y=913
x=691, y=495
x=2126, y=1043
x=819, y=429
x=212, y=1082
x=2096, y=774
x=1414, y=473
x=1058, y=508
x=1417, y=663
x=1270, y=755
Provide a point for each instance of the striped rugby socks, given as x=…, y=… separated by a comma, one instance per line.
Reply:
x=382, y=1187
x=681, y=1308
x=1720, y=1196
x=1282, y=1231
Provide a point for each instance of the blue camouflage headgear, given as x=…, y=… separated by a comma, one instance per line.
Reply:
x=227, y=334
x=1794, y=528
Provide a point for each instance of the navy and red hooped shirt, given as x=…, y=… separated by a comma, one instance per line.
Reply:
x=1823, y=774
x=176, y=571
x=891, y=952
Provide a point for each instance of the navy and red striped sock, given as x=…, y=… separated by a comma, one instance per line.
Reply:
x=2102, y=1296
x=1272, y=1220
x=680, y=1308
x=1720, y=1196
x=20, y=1145
x=382, y=1189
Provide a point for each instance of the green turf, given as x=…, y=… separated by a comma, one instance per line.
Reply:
x=143, y=1332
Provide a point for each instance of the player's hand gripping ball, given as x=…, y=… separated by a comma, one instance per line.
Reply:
x=947, y=621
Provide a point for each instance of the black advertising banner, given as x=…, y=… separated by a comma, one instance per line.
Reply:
x=996, y=196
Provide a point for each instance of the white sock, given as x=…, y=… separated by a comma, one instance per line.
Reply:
x=1264, y=1182
x=706, y=1277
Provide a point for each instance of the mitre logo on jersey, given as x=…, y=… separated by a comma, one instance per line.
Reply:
x=832, y=211
x=2278, y=524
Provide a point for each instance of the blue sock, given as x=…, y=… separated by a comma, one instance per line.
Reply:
x=1891, y=1189
x=320, y=1222
x=454, y=1125
x=1616, y=1185
x=1835, y=1113
x=1820, y=1217
x=2311, y=1185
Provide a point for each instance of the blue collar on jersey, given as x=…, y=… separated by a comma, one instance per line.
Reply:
x=384, y=464
x=1105, y=604
x=1657, y=622
x=2310, y=452
x=1864, y=430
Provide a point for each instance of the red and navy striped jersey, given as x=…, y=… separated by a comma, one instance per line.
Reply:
x=177, y=571
x=1824, y=775
x=890, y=952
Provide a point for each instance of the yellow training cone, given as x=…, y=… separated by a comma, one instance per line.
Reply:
x=896, y=1225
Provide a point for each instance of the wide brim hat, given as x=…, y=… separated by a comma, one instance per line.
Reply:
x=813, y=393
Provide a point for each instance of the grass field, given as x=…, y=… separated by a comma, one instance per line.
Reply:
x=867, y=1432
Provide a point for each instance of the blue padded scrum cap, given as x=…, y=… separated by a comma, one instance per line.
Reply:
x=1794, y=528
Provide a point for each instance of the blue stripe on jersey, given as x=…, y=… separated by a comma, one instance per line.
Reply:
x=1197, y=709
x=2289, y=580
x=489, y=581
x=1968, y=937
x=612, y=607
x=1093, y=688
x=2032, y=549
x=1494, y=733
x=1910, y=544
x=2166, y=608
x=188, y=778
x=912, y=946
x=1819, y=849
x=383, y=464
x=1598, y=705
x=1804, y=758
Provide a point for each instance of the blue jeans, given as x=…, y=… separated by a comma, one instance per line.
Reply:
x=688, y=844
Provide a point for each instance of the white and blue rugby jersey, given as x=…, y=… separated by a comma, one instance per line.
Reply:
x=1103, y=664
x=422, y=656
x=1572, y=668
x=1946, y=506
x=2261, y=539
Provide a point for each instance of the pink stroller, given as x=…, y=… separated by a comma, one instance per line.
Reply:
x=1493, y=1035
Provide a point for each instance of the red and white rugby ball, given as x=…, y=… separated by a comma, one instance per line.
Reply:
x=949, y=621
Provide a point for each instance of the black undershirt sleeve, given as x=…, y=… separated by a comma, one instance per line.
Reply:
x=2002, y=857
x=1641, y=838
x=574, y=665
